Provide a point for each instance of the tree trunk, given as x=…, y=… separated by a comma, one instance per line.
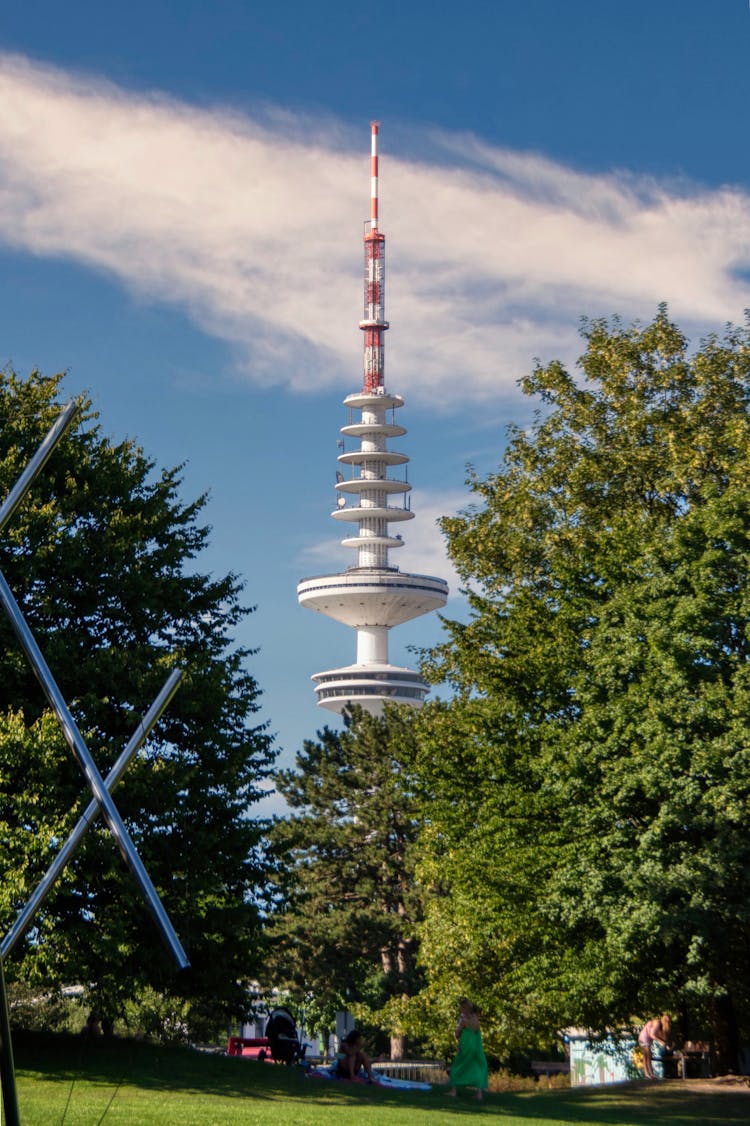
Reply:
x=398, y=1045
x=726, y=1035
x=398, y=1039
x=684, y=1023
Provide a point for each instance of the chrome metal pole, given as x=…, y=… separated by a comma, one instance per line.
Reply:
x=8, y=507
x=76, y=743
x=7, y=1069
x=38, y=462
x=45, y=885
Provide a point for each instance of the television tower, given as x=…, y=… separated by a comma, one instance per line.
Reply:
x=372, y=596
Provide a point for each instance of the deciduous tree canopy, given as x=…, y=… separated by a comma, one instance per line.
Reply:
x=589, y=788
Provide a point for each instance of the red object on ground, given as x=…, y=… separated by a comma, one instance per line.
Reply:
x=252, y=1048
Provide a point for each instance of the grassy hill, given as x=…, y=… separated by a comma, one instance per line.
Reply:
x=66, y=1080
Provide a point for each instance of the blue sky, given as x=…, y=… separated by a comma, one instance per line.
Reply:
x=182, y=189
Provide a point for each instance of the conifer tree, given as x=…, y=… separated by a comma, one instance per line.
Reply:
x=104, y=559
x=343, y=931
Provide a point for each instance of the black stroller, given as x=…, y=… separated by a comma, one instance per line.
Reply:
x=281, y=1033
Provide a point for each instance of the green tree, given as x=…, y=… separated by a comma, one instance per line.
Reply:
x=103, y=557
x=343, y=930
x=589, y=787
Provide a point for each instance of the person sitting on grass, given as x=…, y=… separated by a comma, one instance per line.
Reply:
x=92, y=1028
x=351, y=1059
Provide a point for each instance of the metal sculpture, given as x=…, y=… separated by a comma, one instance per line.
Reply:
x=100, y=788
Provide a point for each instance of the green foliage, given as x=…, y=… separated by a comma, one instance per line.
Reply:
x=35, y=1011
x=103, y=558
x=343, y=930
x=588, y=790
x=165, y=1019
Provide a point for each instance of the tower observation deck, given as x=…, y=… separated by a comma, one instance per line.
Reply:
x=372, y=596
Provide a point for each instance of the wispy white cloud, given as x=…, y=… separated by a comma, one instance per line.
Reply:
x=250, y=225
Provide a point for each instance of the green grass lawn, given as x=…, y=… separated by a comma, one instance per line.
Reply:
x=64, y=1079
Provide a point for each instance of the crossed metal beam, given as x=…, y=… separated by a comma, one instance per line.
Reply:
x=101, y=788
x=43, y=888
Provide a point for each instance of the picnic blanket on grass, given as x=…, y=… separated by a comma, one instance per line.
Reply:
x=380, y=1080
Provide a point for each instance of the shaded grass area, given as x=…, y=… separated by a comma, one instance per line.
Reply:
x=64, y=1079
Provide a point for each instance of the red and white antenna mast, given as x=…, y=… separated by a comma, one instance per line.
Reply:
x=373, y=323
x=372, y=596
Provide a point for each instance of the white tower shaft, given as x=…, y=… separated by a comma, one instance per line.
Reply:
x=372, y=596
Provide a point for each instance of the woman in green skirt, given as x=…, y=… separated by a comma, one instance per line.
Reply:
x=469, y=1068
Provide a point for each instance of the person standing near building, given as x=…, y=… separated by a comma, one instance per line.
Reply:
x=653, y=1032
